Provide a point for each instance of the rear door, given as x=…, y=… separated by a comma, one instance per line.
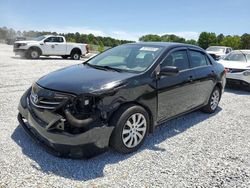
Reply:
x=176, y=93
x=204, y=75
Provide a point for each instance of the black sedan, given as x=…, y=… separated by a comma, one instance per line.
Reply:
x=118, y=97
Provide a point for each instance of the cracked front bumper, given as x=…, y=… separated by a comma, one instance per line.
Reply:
x=84, y=145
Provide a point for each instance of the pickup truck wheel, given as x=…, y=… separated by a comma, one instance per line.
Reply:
x=75, y=55
x=131, y=124
x=33, y=54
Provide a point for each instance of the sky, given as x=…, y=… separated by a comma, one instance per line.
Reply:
x=128, y=19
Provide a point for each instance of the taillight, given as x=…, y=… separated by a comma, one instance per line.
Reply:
x=87, y=48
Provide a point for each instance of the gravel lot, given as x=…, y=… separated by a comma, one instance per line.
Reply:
x=194, y=150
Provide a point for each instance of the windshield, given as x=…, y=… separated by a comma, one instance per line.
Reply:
x=216, y=49
x=237, y=56
x=131, y=58
x=39, y=38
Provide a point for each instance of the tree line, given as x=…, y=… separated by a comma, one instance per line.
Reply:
x=10, y=34
x=205, y=39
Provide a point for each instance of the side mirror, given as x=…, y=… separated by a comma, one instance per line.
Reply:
x=169, y=71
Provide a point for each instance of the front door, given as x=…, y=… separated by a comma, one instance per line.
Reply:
x=176, y=93
x=54, y=46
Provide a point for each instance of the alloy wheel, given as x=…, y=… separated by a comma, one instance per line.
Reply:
x=215, y=99
x=134, y=130
x=76, y=56
x=34, y=54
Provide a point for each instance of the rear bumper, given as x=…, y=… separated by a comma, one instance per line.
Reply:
x=63, y=144
x=242, y=76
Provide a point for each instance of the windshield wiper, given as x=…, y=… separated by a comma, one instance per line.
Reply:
x=112, y=68
x=103, y=67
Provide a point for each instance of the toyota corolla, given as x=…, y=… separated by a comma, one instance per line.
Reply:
x=118, y=97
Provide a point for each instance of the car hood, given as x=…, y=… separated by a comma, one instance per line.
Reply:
x=26, y=41
x=79, y=79
x=235, y=64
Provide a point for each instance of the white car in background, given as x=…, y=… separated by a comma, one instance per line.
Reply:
x=50, y=45
x=218, y=52
x=237, y=66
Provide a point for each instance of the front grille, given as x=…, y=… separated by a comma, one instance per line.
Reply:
x=235, y=70
x=17, y=45
x=47, y=99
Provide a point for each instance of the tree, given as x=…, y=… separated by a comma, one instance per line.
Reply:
x=245, y=41
x=150, y=37
x=207, y=39
x=172, y=38
x=3, y=33
x=191, y=41
x=101, y=47
x=232, y=41
x=220, y=38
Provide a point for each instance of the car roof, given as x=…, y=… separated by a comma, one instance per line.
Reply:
x=220, y=46
x=243, y=51
x=166, y=44
x=52, y=35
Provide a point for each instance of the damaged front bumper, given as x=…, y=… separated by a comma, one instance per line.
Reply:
x=86, y=144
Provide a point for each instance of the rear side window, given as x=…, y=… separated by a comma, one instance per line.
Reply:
x=59, y=39
x=178, y=59
x=198, y=59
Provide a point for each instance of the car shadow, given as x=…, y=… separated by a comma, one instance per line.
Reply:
x=87, y=169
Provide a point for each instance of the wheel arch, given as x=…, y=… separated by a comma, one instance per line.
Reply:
x=136, y=103
x=219, y=85
x=76, y=49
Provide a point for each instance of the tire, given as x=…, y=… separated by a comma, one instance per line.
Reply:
x=75, y=55
x=131, y=124
x=65, y=56
x=33, y=54
x=213, y=101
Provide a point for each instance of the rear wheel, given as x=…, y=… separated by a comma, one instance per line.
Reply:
x=131, y=128
x=75, y=55
x=213, y=101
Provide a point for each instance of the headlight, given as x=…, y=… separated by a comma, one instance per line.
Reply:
x=246, y=73
x=23, y=44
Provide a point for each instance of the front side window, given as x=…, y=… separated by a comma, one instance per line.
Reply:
x=177, y=59
x=131, y=58
x=54, y=39
x=198, y=59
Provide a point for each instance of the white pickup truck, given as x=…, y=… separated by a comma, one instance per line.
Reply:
x=50, y=45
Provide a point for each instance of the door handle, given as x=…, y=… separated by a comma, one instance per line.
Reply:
x=56, y=44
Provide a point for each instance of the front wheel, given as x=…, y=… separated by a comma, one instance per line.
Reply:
x=213, y=101
x=131, y=128
x=33, y=54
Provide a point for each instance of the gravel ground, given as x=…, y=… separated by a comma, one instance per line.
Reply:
x=194, y=150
